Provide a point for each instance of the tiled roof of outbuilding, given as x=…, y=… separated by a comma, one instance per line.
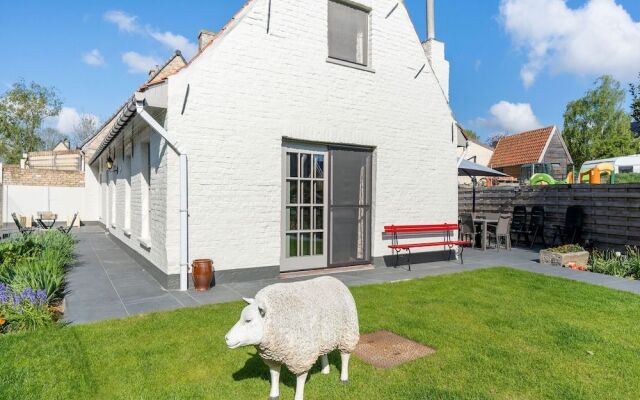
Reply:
x=523, y=148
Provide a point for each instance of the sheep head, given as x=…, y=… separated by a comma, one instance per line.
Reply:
x=249, y=330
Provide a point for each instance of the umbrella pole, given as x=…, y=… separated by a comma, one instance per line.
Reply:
x=474, y=181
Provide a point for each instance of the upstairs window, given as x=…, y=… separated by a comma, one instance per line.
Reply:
x=348, y=33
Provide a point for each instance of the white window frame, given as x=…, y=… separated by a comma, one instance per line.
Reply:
x=145, y=192
x=127, y=192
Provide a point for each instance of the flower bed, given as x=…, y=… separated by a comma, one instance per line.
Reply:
x=624, y=265
x=32, y=279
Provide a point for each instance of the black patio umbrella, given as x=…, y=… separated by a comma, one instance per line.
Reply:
x=473, y=170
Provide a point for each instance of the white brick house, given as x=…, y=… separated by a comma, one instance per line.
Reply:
x=345, y=88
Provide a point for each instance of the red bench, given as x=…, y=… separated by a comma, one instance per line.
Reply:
x=447, y=231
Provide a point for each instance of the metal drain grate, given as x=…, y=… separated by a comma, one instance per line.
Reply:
x=386, y=350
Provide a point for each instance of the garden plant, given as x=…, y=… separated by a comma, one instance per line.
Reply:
x=32, y=279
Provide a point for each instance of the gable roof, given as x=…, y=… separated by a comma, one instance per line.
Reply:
x=173, y=64
x=523, y=148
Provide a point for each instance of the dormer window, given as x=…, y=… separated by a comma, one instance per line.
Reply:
x=348, y=33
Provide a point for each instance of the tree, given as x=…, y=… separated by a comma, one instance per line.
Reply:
x=470, y=134
x=85, y=128
x=494, y=139
x=51, y=137
x=635, y=100
x=23, y=108
x=597, y=126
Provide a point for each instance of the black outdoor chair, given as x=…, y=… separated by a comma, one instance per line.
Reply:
x=519, y=225
x=26, y=231
x=67, y=230
x=571, y=232
x=536, y=225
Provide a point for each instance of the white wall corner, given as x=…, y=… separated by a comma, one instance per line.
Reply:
x=435, y=51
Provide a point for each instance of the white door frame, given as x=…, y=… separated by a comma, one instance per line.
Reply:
x=312, y=261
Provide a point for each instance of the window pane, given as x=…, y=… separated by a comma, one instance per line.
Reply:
x=305, y=238
x=305, y=161
x=319, y=192
x=292, y=213
x=306, y=192
x=292, y=245
x=319, y=218
x=348, y=33
x=306, y=218
x=292, y=189
x=292, y=165
x=318, y=166
x=318, y=241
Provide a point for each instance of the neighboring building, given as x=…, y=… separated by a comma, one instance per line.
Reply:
x=540, y=146
x=302, y=144
x=475, y=151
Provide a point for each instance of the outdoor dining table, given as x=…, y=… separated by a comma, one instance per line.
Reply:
x=49, y=217
x=485, y=221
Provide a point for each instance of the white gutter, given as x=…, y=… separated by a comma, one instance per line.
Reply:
x=184, y=190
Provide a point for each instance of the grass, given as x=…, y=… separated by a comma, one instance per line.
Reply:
x=499, y=334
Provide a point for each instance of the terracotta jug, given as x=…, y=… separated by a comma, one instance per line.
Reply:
x=202, y=274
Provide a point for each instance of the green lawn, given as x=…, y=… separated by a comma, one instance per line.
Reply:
x=499, y=333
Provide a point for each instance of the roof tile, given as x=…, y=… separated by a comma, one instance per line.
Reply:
x=523, y=148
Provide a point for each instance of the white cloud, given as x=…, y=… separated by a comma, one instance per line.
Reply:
x=139, y=63
x=93, y=58
x=174, y=42
x=129, y=23
x=510, y=118
x=125, y=22
x=598, y=38
x=69, y=118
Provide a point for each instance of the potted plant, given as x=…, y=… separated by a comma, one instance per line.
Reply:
x=571, y=254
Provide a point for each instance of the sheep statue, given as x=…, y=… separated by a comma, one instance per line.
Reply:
x=295, y=324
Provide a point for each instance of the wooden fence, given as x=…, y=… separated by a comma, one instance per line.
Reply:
x=612, y=211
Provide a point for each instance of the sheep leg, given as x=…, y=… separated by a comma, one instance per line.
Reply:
x=274, y=370
x=325, y=365
x=344, y=373
x=302, y=379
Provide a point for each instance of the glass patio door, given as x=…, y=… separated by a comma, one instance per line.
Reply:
x=304, y=208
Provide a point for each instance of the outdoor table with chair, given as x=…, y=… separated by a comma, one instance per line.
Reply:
x=486, y=227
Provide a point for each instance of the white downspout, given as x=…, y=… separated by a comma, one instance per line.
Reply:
x=184, y=189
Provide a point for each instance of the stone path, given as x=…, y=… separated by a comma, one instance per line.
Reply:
x=107, y=283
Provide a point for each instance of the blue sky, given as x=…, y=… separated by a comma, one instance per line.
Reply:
x=514, y=63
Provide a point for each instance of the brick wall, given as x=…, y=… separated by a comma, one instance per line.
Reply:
x=13, y=175
x=251, y=88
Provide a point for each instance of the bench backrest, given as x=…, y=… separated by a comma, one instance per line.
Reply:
x=421, y=228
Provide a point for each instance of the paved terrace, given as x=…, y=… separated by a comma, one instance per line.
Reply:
x=107, y=283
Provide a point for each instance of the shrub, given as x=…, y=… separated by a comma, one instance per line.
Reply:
x=617, y=264
x=23, y=311
x=628, y=178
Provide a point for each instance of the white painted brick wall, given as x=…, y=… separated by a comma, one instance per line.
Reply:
x=250, y=89
x=140, y=133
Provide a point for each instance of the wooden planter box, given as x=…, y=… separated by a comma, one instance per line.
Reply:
x=562, y=259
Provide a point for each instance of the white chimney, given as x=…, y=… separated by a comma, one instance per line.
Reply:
x=431, y=20
x=435, y=51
